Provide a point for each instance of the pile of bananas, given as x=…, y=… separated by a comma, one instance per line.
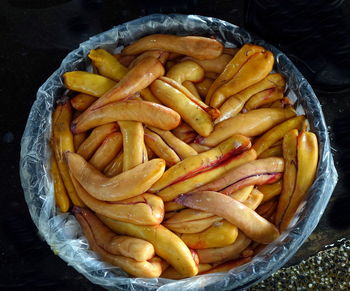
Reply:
x=180, y=157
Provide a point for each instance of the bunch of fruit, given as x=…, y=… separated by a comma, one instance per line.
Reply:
x=179, y=156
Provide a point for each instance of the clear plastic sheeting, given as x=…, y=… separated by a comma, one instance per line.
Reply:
x=62, y=232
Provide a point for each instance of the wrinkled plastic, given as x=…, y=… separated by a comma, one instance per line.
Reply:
x=62, y=232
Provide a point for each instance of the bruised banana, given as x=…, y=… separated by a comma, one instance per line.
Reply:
x=123, y=186
x=199, y=47
x=185, y=172
x=234, y=104
x=190, y=221
x=258, y=172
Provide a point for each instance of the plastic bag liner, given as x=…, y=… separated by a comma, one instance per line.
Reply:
x=63, y=233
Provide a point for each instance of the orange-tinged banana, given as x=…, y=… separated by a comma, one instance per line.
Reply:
x=247, y=220
x=252, y=123
x=252, y=71
x=230, y=252
x=211, y=75
x=172, y=206
x=282, y=103
x=195, y=46
x=276, y=133
x=159, y=55
x=307, y=157
x=275, y=151
x=189, y=184
x=186, y=71
x=203, y=88
x=78, y=139
x=144, y=209
x=171, y=273
x=143, y=111
x=289, y=146
x=274, y=189
x=242, y=194
x=235, y=103
x=61, y=196
x=63, y=141
x=258, y=172
x=194, y=165
x=134, y=248
x=254, y=199
x=148, y=269
x=134, y=81
x=107, y=65
x=231, y=50
x=123, y=186
x=231, y=69
x=263, y=98
x=216, y=65
x=245, y=54
x=182, y=149
x=227, y=266
x=133, y=143
x=115, y=167
x=190, y=221
x=266, y=208
x=109, y=148
x=148, y=96
x=199, y=148
x=88, y=83
x=184, y=132
x=220, y=234
x=192, y=88
x=192, y=110
x=124, y=60
x=167, y=245
x=160, y=148
x=82, y=101
x=94, y=140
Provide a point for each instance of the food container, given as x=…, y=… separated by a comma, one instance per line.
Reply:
x=62, y=232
